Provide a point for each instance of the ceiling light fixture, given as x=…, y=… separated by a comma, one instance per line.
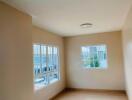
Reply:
x=86, y=25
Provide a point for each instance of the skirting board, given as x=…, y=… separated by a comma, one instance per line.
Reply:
x=91, y=90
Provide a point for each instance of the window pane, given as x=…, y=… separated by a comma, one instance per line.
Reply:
x=36, y=52
x=36, y=58
x=53, y=63
x=55, y=55
x=40, y=82
x=53, y=77
x=50, y=63
x=94, y=56
x=43, y=58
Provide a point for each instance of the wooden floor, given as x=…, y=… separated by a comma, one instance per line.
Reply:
x=71, y=94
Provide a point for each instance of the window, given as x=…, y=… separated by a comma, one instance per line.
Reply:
x=94, y=56
x=46, y=65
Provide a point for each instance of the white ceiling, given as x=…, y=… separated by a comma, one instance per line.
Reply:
x=64, y=17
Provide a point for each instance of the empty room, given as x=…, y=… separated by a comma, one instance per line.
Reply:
x=65, y=49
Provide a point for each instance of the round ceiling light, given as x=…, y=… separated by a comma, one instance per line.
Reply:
x=86, y=25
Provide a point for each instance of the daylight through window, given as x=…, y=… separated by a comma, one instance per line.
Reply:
x=46, y=65
x=94, y=56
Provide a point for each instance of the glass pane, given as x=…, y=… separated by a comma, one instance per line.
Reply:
x=94, y=56
x=43, y=58
x=36, y=52
x=55, y=56
x=53, y=77
x=41, y=82
x=50, y=63
x=36, y=60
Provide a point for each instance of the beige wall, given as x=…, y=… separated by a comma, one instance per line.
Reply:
x=77, y=77
x=16, y=68
x=44, y=37
x=15, y=54
x=1, y=79
x=127, y=46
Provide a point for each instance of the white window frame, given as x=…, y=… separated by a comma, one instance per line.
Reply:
x=47, y=59
x=93, y=67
